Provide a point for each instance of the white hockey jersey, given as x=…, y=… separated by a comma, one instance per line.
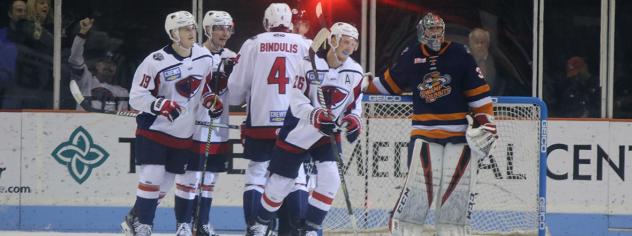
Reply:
x=342, y=95
x=164, y=74
x=261, y=78
x=222, y=61
x=90, y=85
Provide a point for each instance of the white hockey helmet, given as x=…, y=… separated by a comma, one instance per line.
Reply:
x=213, y=18
x=176, y=20
x=425, y=35
x=277, y=14
x=341, y=28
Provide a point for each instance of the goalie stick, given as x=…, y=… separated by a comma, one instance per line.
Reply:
x=85, y=104
x=319, y=39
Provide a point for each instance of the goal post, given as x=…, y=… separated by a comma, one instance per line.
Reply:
x=510, y=194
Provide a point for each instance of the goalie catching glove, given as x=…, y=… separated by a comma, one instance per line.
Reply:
x=351, y=123
x=167, y=108
x=481, y=133
x=323, y=121
x=214, y=104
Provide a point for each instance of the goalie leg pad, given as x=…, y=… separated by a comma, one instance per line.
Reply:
x=458, y=178
x=420, y=187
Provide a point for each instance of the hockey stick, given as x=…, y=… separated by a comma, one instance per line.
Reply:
x=209, y=126
x=319, y=39
x=85, y=104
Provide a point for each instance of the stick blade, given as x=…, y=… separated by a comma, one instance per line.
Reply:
x=319, y=39
x=76, y=94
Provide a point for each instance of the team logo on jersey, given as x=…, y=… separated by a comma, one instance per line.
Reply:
x=277, y=116
x=80, y=155
x=188, y=87
x=158, y=56
x=334, y=96
x=434, y=85
x=172, y=74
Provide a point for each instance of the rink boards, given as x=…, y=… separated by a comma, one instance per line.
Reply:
x=71, y=172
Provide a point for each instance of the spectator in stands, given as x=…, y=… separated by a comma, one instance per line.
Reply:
x=33, y=84
x=96, y=82
x=36, y=31
x=8, y=49
x=579, y=94
x=479, y=44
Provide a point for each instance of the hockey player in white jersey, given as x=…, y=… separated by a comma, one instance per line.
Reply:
x=218, y=28
x=261, y=79
x=96, y=83
x=308, y=124
x=167, y=89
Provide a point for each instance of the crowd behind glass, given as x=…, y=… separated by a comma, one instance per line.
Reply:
x=499, y=36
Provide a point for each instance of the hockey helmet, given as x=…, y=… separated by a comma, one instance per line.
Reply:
x=217, y=18
x=341, y=28
x=176, y=20
x=277, y=14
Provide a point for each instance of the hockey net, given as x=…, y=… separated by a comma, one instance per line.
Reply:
x=510, y=191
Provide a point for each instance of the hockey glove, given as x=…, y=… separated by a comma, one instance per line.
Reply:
x=219, y=82
x=351, y=123
x=481, y=133
x=323, y=121
x=167, y=108
x=214, y=104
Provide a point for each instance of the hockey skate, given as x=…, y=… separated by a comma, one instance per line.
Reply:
x=132, y=227
x=206, y=230
x=183, y=229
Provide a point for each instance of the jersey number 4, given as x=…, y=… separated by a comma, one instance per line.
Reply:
x=277, y=74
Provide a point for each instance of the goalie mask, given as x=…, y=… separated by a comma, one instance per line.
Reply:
x=277, y=14
x=176, y=20
x=214, y=19
x=431, y=30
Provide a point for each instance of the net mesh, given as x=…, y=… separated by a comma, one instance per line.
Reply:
x=506, y=201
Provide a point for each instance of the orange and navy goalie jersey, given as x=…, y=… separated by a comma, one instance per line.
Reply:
x=446, y=85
